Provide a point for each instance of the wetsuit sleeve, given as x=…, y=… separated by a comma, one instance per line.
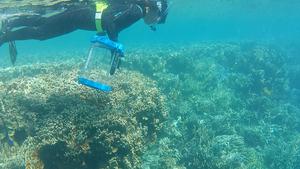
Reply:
x=117, y=18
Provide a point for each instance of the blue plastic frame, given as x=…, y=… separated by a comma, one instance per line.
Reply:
x=104, y=42
x=94, y=85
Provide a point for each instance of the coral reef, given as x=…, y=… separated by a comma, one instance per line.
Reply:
x=229, y=102
x=57, y=123
x=204, y=106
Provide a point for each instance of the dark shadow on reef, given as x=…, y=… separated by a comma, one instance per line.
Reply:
x=53, y=157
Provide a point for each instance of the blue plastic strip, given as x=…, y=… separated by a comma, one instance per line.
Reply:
x=94, y=85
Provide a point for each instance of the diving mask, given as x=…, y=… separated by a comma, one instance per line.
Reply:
x=156, y=12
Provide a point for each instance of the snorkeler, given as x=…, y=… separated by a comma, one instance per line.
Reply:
x=106, y=17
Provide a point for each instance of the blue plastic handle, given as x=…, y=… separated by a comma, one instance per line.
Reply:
x=94, y=85
x=104, y=40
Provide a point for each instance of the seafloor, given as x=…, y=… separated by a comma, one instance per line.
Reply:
x=202, y=106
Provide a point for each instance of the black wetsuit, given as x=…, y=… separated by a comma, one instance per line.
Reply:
x=115, y=18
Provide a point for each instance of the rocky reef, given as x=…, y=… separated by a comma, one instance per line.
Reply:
x=55, y=123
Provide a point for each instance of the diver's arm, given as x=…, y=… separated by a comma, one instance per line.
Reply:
x=108, y=24
x=118, y=18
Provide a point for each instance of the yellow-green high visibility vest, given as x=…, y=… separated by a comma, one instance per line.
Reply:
x=100, y=7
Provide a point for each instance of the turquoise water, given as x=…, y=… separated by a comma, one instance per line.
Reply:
x=225, y=71
x=196, y=21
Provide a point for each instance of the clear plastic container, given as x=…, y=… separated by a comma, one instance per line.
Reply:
x=96, y=71
x=102, y=62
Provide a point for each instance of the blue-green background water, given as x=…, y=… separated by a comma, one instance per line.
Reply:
x=195, y=21
x=230, y=72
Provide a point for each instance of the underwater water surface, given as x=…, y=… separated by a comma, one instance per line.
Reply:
x=215, y=87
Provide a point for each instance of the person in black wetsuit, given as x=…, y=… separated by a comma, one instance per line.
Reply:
x=115, y=16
